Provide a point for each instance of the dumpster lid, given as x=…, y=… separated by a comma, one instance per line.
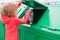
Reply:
x=34, y=4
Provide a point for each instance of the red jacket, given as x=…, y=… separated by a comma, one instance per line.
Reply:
x=12, y=25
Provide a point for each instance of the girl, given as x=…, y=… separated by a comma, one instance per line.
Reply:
x=9, y=17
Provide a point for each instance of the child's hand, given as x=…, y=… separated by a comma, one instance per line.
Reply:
x=28, y=12
x=19, y=3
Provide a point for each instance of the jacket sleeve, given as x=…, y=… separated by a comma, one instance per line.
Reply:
x=23, y=21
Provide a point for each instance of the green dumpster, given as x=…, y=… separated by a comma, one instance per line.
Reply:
x=30, y=32
x=2, y=30
x=45, y=27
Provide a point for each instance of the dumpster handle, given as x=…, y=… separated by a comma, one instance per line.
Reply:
x=50, y=28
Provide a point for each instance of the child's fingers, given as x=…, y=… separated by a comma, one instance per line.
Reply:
x=28, y=12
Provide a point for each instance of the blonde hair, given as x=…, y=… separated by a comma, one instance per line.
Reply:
x=9, y=10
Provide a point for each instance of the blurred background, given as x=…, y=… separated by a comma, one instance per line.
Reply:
x=48, y=2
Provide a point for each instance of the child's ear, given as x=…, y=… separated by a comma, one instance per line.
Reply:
x=2, y=13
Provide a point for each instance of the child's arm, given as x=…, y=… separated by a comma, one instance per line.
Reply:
x=23, y=21
x=19, y=3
